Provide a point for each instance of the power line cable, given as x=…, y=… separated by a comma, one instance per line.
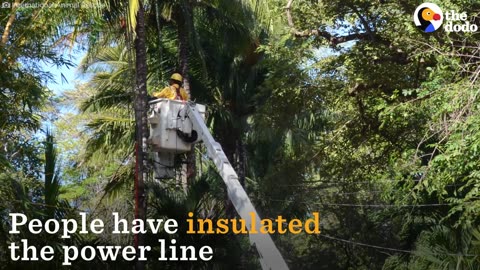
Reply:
x=365, y=245
x=366, y=191
x=371, y=205
x=387, y=248
x=339, y=184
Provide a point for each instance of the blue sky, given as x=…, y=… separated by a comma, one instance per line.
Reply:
x=59, y=86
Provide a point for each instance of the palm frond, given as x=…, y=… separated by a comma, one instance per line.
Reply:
x=111, y=136
x=133, y=7
x=52, y=181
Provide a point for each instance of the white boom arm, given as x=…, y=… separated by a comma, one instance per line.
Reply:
x=270, y=257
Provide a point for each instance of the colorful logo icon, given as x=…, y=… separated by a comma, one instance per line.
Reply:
x=428, y=17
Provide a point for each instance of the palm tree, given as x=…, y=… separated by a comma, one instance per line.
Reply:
x=109, y=101
x=204, y=199
x=37, y=200
x=231, y=68
x=448, y=248
x=141, y=124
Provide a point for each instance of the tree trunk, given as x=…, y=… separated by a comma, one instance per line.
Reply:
x=241, y=161
x=183, y=57
x=8, y=27
x=183, y=46
x=140, y=124
x=9, y=24
x=159, y=31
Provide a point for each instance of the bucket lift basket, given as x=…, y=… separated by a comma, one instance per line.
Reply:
x=171, y=133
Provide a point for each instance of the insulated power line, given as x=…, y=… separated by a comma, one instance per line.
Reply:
x=387, y=248
x=365, y=245
x=315, y=184
x=328, y=186
x=371, y=205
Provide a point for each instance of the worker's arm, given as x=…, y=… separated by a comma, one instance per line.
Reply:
x=184, y=94
x=165, y=93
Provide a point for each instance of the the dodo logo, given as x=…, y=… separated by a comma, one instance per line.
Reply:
x=428, y=17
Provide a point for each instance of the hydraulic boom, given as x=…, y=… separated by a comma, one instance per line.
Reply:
x=270, y=257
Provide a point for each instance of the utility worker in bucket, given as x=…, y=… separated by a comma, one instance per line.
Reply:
x=175, y=90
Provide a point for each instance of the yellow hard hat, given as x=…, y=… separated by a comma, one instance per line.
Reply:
x=176, y=77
